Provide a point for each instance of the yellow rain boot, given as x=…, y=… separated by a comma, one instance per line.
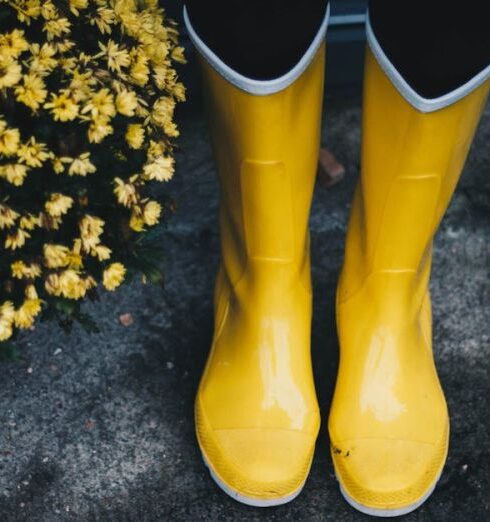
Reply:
x=389, y=423
x=256, y=410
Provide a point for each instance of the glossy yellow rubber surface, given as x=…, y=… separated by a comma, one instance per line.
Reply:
x=256, y=411
x=389, y=423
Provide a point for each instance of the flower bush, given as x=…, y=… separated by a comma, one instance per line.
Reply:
x=88, y=90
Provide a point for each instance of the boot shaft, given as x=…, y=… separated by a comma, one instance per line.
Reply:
x=411, y=162
x=266, y=151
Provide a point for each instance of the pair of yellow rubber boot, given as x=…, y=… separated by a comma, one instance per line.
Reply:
x=257, y=416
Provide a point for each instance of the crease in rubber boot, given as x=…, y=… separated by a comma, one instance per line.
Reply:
x=249, y=501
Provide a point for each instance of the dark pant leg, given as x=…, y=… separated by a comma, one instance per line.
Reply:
x=261, y=39
x=437, y=46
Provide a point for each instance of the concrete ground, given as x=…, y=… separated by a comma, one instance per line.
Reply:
x=100, y=427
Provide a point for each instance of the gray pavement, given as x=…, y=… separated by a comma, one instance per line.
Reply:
x=100, y=427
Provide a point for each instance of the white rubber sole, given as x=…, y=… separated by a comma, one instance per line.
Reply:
x=387, y=512
x=250, y=501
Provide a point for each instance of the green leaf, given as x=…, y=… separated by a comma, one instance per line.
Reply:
x=88, y=323
x=66, y=306
x=9, y=352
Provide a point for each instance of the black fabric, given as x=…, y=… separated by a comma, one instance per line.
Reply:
x=261, y=39
x=435, y=45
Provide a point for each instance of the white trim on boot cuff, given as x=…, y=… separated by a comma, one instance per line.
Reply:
x=412, y=97
x=258, y=87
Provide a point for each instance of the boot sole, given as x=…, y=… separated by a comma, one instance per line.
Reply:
x=250, y=501
x=386, y=512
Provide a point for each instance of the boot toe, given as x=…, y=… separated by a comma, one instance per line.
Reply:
x=388, y=475
x=261, y=465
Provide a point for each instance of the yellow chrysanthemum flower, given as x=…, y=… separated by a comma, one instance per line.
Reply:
x=49, y=10
x=14, y=173
x=9, y=140
x=74, y=256
x=178, y=55
x=72, y=285
x=26, y=314
x=156, y=50
x=131, y=22
x=178, y=91
x=6, y=330
x=126, y=193
x=13, y=44
x=32, y=92
x=63, y=107
x=42, y=60
x=155, y=150
x=7, y=316
x=63, y=46
x=68, y=65
x=89, y=282
x=33, y=153
x=81, y=85
x=117, y=56
x=10, y=72
x=163, y=111
x=135, y=135
x=8, y=217
x=151, y=213
x=139, y=70
x=91, y=229
x=17, y=239
x=29, y=222
x=104, y=19
x=160, y=169
x=100, y=104
x=49, y=222
x=161, y=76
x=52, y=284
x=113, y=276
x=68, y=284
x=99, y=128
x=82, y=165
x=102, y=252
x=171, y=129
x=136, y=221
x=20, y=270
x=30, y=9
x=59, y=163
x=56, y=28
x=31, y=292
x=126, y=102
x=77, y=5
x=56, y=256
x=7, y=311
x=58, y=204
